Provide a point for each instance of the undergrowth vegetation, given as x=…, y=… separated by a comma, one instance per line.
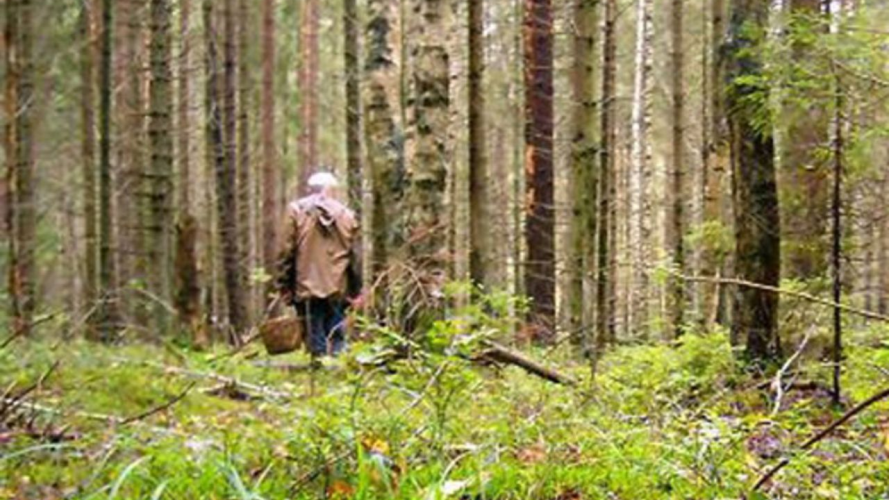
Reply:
x=665, y=421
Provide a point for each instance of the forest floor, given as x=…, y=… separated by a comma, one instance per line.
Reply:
x=668, y=421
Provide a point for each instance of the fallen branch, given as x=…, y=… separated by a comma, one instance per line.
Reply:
x=500, y=353
x=883, y=394
x=782, y=291
x=209, y=375
x=167, y=405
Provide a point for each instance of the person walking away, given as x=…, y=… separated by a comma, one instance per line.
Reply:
x=320, y=266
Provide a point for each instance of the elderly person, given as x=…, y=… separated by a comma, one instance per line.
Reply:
x=320, y=268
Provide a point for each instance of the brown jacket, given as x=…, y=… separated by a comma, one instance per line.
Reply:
x=321, y=257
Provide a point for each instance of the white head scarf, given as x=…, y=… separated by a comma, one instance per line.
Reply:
x=323, y=179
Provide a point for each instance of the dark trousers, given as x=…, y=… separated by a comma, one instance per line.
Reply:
x=325, y=324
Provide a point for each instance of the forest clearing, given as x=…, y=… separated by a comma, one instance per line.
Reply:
x=444, y=249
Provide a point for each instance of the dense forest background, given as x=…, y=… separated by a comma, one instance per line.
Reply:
x=672, y=212
x=617, y=162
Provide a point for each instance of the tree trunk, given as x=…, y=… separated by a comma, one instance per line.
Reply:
x=14, y=69
x=225, y=150
x=714, y=160
x=270, y=212
x=677, y=219
x=428, y=147
x=479, y=231
x=757, y=223
x=10, y=148
x=160, y=181
x=88, y=152
x=188, y=291
x=836, y=252
x=353, y=105
x=108, y=320
x=883, y=242
x=383, y=129
x=308, y=91
x=640, y=173
x=583, y=162
x=539, y=226
x=808, y=172
x=604, y=311
x=132, y=178
x=244, y=177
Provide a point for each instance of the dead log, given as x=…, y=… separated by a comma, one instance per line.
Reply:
x=498, y=353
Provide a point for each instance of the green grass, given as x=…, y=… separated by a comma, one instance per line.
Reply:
x=660, y=422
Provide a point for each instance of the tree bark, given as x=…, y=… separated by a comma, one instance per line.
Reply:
x=757, y=222
x=308, y=91
x=226, y=153
x=383, y=129
x=428, y=145
x=604, y=309
x=677, y=216
x=88, y=151
x=270, y=211
x=108, y=320
x=131, y=186
x=160, y=181
x=353, y=105
x=583, y=160
x=715, y=156
x=244, y=167
x=640, y=173
x=539, y=224
x=186, y=278
x=479, y=231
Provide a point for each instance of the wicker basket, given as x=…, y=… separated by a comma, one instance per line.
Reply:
x=282, y=334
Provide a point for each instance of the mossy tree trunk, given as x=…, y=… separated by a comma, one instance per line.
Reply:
x=757, y=223
x=583, y=164
x=383, y=129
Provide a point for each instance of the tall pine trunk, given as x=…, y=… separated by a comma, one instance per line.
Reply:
x=186, y=278
x=428, y=147
x=757, y=223
x=225, y=148
x=270, y=211
x=715, y=160
x=353, y=105
x=244, y=167
x=308, y=90
x=540, y=273
x=108, y=320
x=160, y=178
x=383, y=129
x=604, y=309
x=479, y=230
x=676, y=226
x=640, y=174
x=88, y=151
x=583, y=167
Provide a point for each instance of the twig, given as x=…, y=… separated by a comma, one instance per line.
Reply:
x=779, y=387
x=179, y=397
x=782, y=291
x=12, y=402
x=821, y=435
